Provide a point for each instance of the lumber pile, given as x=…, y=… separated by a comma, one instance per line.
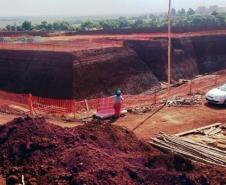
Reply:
x=190, y=149
x=195, y=100
x=212, y=131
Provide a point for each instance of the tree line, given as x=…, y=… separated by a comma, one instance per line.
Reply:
x=181, y=18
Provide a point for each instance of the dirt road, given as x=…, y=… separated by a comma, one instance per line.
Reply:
x=174, y=120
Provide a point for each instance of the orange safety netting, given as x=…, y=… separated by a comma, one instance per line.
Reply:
x=53, y=105
x=105, y=105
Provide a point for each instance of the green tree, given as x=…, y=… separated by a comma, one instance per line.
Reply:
x=190, y=12
x=26, y=25
x=181, y=12
x=123, y=23
x=86, y=26
x=109, y=24
x=8, y=27
x=139, y=23
x=153, y=23
x=214, y=13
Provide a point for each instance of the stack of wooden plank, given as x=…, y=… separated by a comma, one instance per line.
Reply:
x=192, y=150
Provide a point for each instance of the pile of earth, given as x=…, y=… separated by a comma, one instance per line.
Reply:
x=95, y=153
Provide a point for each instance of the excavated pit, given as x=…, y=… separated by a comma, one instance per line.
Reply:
x=136, y=67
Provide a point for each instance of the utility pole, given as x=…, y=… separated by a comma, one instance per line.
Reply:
x=169, y=44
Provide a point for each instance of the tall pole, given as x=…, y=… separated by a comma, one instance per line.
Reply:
x=169, y=45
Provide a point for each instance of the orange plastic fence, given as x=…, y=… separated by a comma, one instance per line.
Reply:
x=105, y=106
x=51, y=106
x=18, y=98
x=57, y=106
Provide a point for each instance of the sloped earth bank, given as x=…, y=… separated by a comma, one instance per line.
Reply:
x=41, y=73
x=190, y=55
x=96, y=153
x=99, y=72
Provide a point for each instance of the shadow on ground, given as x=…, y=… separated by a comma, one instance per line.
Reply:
x=215, y=106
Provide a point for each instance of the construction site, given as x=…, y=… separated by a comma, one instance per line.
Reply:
x=56, y=103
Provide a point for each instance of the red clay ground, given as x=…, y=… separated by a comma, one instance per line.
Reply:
x=96, y=153
x=179, y=119
x=83, y=42
x=174, y=120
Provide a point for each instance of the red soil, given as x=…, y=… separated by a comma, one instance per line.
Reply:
x=84, y=42
x=135, y=67
x=96, y=153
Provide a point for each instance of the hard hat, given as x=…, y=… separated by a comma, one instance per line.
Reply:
x=118, y=92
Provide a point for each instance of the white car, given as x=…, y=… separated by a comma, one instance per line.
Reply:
x=217, y=95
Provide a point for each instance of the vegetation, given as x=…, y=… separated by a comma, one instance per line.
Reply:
x=181, y=18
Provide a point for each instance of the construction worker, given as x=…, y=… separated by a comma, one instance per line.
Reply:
x=118, y=102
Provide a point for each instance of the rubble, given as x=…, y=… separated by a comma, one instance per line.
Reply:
x=139, y=109
x=195, y=100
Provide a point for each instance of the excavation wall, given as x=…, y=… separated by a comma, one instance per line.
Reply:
x=190, y=55
x=210, y=53
x=136, y=67
x=99, y=72
x=154, y=54
x=47, y=74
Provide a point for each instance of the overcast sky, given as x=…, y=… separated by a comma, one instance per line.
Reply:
x=94, y=7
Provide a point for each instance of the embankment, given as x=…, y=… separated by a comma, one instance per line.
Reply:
x=190, y=55
x=41, y=73
x=99, y=72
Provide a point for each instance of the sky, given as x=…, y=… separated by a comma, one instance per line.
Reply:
x=95, y=7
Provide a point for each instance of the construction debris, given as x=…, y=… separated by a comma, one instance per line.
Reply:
x=213, y=136
x=200, y=130
x=195, y=100
x=139, y=109
x=190, y=149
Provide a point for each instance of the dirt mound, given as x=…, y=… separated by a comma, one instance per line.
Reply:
x=96, y=153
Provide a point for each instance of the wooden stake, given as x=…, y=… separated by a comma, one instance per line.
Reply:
x=87, y=105
x=30, y=104
x=190, y=88
x=169, y=46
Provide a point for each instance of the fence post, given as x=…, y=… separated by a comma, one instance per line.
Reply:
x=190, y=87
x=215, y=81
x=30, y=104
x=73, y=108
x=155, y=97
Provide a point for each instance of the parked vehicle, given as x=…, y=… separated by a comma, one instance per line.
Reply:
x=217, y=95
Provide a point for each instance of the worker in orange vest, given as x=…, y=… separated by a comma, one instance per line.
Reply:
x=118, y=102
